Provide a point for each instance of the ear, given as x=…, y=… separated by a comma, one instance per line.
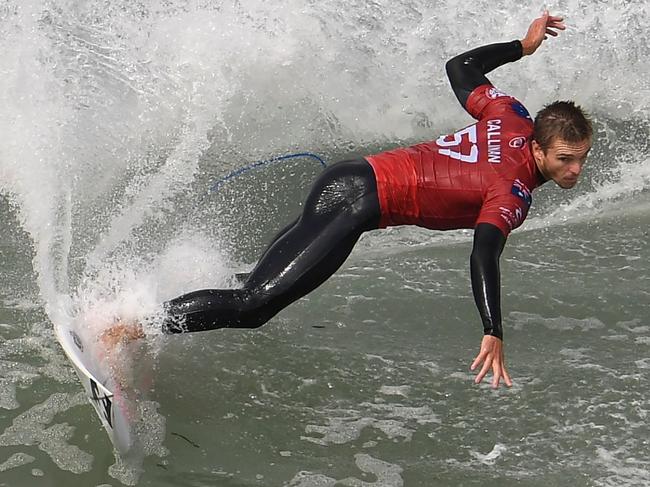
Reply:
x=538, y=152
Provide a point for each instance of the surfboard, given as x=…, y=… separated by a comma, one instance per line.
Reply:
x=101, y=387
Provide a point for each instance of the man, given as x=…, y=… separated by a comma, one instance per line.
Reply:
x=480, y=177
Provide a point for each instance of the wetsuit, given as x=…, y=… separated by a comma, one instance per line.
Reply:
x=480, y=177
x=341, y=205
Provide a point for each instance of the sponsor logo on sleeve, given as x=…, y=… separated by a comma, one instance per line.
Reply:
x=520, y=110
x=517, y=142
x=493, y=93
x=520, y=190
x=512, y=218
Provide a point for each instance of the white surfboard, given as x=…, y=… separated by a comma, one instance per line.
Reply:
x=103, y=391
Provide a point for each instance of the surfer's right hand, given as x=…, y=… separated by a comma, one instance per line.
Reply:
x=539, y=29
x=121, y=334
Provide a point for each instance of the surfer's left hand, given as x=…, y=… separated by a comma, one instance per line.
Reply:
x=491, y=356
x=121, y=333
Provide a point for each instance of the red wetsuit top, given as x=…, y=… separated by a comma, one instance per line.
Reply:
x=483, y=173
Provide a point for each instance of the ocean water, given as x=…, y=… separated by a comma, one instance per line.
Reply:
x=119, y=117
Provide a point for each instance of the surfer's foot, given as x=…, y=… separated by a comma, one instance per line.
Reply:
x=121, y=334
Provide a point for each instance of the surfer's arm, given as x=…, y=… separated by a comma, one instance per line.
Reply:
x=467, y=71
x=484, y=267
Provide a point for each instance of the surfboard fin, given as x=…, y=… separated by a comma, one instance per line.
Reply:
x=242, y=276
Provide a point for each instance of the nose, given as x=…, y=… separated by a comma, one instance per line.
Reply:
x=575, y=169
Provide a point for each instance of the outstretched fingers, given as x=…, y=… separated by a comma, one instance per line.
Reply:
x=484, y=370
x=491, y=356
x=485, y=358
x=553, y=24
x=540, y=29
x=506, y=378
x=499, y=373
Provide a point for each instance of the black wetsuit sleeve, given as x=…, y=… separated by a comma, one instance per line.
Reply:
x=486, y=282
x=467, y=71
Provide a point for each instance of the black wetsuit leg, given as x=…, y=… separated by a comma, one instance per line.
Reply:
x=342, y=204
x=243, y=276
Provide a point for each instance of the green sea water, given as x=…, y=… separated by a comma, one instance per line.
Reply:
x=119, y=118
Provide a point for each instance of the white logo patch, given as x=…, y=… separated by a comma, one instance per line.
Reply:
x=494, y=93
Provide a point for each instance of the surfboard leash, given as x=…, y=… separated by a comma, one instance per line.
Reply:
x=262, y=163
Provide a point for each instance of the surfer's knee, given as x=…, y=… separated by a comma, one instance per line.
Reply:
x=255, y=311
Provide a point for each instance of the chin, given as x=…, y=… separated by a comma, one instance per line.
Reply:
x=567, y=185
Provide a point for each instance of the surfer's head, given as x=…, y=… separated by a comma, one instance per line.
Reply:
x=561, y=141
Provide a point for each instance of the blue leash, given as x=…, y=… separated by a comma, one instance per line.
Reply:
x=265, y=162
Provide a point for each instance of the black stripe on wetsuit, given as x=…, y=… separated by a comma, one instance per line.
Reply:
x=466, y=72
x=341, y=205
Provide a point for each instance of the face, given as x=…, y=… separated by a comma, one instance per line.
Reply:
x=563, y=161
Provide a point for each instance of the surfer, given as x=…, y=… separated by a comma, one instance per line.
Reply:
x=481, y=177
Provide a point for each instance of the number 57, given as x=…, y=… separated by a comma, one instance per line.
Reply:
x=470, y=132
